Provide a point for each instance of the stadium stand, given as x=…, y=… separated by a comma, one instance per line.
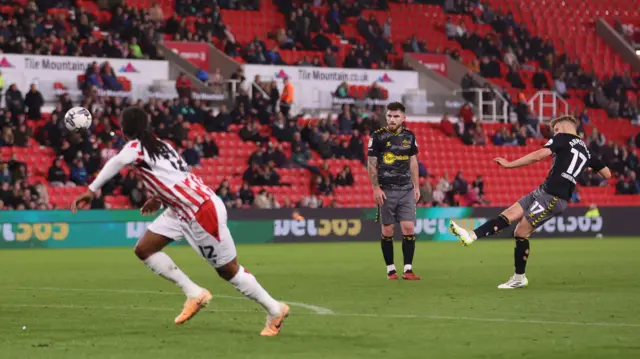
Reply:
x=367, y=39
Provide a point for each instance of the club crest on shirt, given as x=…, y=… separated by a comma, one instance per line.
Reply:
x=406, y=144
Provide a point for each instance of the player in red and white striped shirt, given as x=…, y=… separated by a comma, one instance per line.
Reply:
x=193, y=212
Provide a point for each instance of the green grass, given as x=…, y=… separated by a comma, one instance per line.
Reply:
x=582, y=302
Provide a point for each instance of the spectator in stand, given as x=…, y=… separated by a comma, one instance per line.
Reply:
x=330, y=59
x=191, y=155
x=514, y=79
x=22, y=134
x=109, y=79
x=250, y=133
x=184, y=87
x=624, y=185
x=276, y=155
x=323, y=186
x=344, y=177
x=286, y=99
x=245, y=194
x=209, y=147
x=57, y=177
x=342, y=91
x=226, y=196
x=34, y=102
x=14, y=100
x=466, y=116
x=79, y=174
x=5, y=174
x=98, y=201
x=540, y=81
x=138, y=195
x=216, y=81
x=560, y=86
x=375, y=92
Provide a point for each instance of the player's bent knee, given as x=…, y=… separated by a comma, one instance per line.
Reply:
x=524, y=229
x=149, y=244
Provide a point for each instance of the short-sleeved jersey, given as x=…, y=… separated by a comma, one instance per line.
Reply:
x=167, y=177
x=393, y=151
x=570, y=158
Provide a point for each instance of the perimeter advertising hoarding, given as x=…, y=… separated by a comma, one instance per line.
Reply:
x=61, y=229
x=314, y=86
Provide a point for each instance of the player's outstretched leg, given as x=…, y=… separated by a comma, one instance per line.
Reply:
x=248, y=285
x=386, y=244
x=488, y=228
x=149, y=250
x=520, y=256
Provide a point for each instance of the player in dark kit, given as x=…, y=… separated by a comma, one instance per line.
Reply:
x=393, y=170
x=570, y=158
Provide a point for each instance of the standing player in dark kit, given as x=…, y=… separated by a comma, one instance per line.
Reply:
x=393, y=170
x=570, y=158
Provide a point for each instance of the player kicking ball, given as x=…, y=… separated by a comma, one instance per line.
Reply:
x=193, y=212
x=570, y=158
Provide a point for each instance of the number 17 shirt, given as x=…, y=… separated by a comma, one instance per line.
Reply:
x=570, y=158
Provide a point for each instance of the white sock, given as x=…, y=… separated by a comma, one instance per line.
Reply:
x=248, y=285
x=408, y=267
x=161, y=264
x=391, y=267
x=518, y=276
x=473, y=236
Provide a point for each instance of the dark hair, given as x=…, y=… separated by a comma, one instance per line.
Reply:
x=135, y=125
x=395, y=106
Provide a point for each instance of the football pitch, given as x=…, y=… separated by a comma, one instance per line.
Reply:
x=582, y=302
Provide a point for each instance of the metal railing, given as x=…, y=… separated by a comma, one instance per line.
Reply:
x=547, y=100
x=498, y=105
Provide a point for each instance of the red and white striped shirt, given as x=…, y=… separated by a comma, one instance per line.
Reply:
x=167, y=177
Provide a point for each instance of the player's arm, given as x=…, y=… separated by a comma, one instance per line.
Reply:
x=529, y=159
x=415, y=178
x=415, y=172
x=597, y=166
x=372, y=167
x=128, y=155
x=372, y=161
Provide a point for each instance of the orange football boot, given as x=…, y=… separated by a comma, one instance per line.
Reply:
x=193, y=305
x=274, y=324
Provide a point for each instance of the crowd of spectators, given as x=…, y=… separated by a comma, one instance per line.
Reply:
x=513, y=45
x=444, y=192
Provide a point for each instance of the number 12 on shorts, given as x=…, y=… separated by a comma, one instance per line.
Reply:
x=208, y=253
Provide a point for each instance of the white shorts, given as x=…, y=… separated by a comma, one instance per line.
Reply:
x=207, y=233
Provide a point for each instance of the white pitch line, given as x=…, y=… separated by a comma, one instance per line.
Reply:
x=316, y=311
x=117, y=308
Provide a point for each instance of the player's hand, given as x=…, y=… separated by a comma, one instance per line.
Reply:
x=84, y=198
x=379, y=196
x=416, y=194
x=151, y=207
x=502, y=162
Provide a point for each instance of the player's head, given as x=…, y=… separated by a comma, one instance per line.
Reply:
x=564, y=124
x=395, y=115
x=135, y=126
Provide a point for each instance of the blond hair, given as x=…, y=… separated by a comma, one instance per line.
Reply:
x=567, y=118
